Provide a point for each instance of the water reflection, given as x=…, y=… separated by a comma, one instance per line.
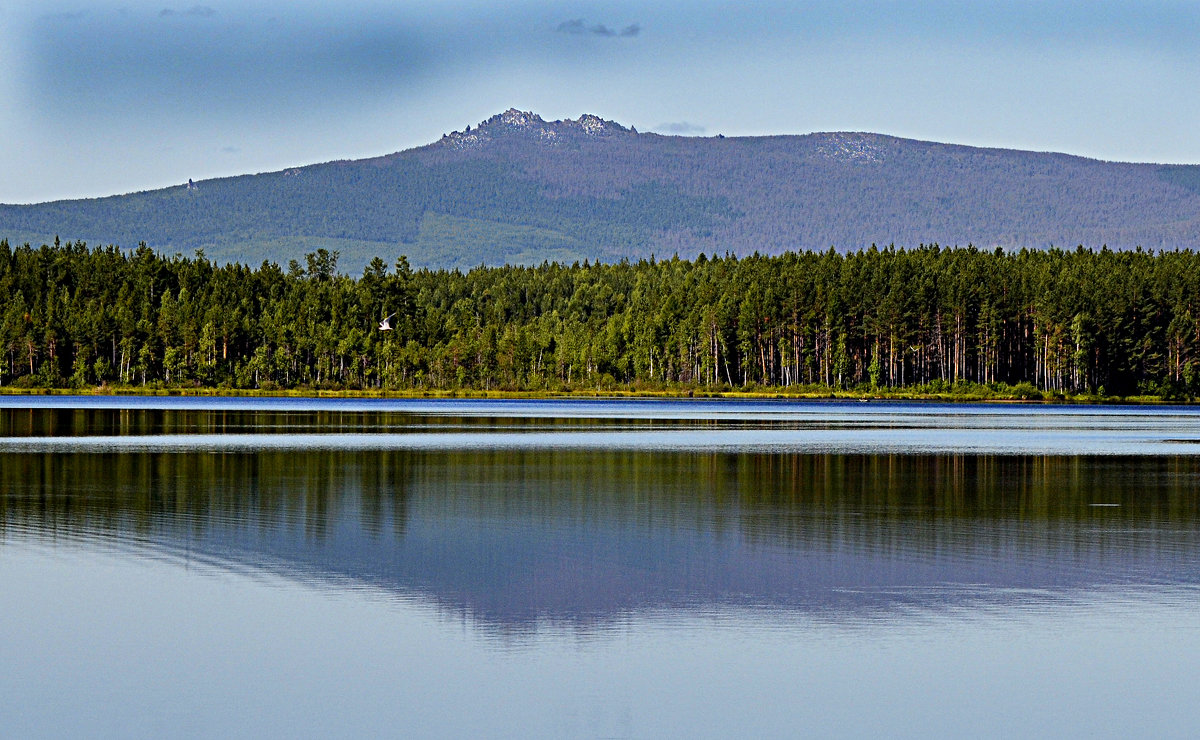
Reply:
x=301, y=568
x=517, y=539
x=302, y=425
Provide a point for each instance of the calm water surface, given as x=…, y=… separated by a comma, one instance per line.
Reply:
x=226, y=567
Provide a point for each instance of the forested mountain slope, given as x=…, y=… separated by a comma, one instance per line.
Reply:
x=519, y=189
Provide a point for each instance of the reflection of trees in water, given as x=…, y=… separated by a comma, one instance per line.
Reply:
x=53, y=422
x=147, y=492
x=516, y=537
x=882, y=502
x=942, y=503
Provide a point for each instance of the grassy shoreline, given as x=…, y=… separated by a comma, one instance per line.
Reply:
x=664, y=393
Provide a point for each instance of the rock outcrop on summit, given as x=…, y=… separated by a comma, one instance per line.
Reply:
x=513, y=122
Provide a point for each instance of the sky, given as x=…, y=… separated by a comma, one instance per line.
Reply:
x=99, y=97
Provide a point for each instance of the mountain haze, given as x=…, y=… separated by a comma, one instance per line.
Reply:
x=519, y=189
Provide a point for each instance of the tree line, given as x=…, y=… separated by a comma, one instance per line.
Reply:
x=1058, y=321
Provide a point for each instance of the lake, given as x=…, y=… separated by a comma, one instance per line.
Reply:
x=609, y=568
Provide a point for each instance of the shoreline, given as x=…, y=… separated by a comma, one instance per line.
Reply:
x=466, y=393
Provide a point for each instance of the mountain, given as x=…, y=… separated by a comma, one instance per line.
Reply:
x=520, y=189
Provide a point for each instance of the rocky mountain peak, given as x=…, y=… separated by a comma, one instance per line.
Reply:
x=594, y=125
x=514, y=118
x=526, y=123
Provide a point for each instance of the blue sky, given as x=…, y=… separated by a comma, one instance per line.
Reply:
x=106, y=97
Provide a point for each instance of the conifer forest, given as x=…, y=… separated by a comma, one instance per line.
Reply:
x=1042, y=322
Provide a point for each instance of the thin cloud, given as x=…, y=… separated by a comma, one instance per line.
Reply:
x=196, y=11
x=680, y=128
x=68, y=16
x=579, y=27
x=231, y=150
x=176, y=61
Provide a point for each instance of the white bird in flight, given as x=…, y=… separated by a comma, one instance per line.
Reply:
x=386, y=324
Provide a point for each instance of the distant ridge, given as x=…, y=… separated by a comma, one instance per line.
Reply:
x=519, y=189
